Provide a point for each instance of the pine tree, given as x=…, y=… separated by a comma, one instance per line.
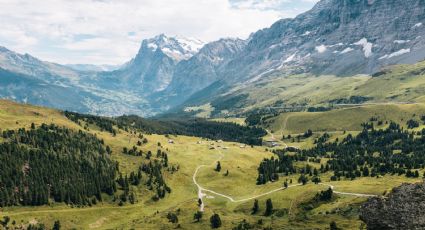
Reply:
x=332, y=226
x=215, y=221
x=197, y=216
x=255, y=207
x=269, y=207
x=218, y=167
x=57, y=225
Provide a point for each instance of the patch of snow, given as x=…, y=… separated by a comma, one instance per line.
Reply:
x=398, y=53
x=367, y=46
x=171, y=52
x=192, y=45
x=152, y=46
x=339, y=44
x=258, y=77
x=395, y=54
x=274, y=46
x=417, y=25
x=290, y=58
x=347, y=50
x=401, y=41
x=383, y=57
x=321, y=48
x=306, y=33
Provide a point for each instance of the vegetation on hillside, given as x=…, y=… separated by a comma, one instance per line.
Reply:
x=197, y=127
x=53, y=163
x=371, y=153
x=189, y=127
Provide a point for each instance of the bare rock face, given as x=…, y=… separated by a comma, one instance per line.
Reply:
x=403, y=209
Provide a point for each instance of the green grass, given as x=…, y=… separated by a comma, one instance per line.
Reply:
x=401, y=83
x=242, y=164
x=348, y=119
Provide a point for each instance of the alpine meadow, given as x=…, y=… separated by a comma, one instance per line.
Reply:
x=253, y=114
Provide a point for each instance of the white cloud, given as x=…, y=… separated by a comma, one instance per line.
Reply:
x=110, y=31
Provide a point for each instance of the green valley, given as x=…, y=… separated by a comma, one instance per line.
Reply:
x=229, y=192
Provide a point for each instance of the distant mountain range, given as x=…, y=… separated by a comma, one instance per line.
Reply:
x=93, y=68
x=343, y=38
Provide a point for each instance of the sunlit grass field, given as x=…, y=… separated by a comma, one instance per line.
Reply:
x=190, y=152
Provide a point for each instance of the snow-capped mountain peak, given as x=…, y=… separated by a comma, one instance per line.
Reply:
x=177, y=48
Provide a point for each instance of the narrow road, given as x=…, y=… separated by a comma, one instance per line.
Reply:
x=348, y=193
x=201, y=189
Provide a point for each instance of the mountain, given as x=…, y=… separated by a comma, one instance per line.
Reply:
x=27, y=89
x=199, y=71
x=92, y=89
x=342, y=37
x=27, y=79
x=93, y=68
x=338, y=46
x=31, y=66
x=153, y=67
x=337, y=37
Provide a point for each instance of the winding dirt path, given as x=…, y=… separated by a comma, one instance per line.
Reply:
x=348, y=193
x=201, y=189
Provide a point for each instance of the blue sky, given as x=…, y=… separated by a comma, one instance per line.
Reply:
x=110, y=31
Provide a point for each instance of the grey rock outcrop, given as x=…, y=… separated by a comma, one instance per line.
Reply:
x=403, y=209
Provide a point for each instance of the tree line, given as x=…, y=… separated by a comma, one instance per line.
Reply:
x=373, y=152
x=54, y=163
x=184, y=126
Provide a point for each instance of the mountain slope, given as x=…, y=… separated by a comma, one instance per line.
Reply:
x=342, y=37
x=89, y=89
x=31, y=66
x=336, y=37
x=25, y=78
x=199, y=71
x=153, y=67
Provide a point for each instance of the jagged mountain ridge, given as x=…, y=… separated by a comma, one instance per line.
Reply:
x=199, y=71
x=153, y=67
x=27, y=79
x=333, y=38
x=338, y=37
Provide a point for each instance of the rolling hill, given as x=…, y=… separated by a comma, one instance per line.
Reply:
x=194, y=160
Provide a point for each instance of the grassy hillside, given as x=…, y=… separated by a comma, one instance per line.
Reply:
x=395, y=84
x=187, y=154
x=348, y=119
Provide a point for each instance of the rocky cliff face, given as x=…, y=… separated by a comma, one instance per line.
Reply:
x=199, y=71
x=403, y=209
x=153, y=68
x=337, y=37
x=342, y=37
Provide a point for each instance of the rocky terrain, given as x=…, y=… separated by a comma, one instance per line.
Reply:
x=403, y=209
